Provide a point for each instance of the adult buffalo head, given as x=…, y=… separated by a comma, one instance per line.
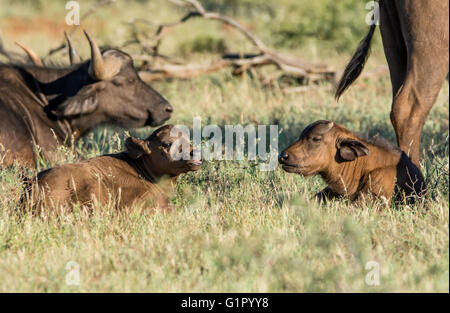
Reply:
x=110, y=86
x=44, y=106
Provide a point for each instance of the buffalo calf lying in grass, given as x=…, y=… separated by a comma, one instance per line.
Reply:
x=351, y=167
x=137, y=174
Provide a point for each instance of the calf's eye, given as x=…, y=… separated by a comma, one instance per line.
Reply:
x=166, y=145
x=316, y=139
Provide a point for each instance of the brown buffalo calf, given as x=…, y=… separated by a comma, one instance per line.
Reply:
x=124, y=178
x=349, y=165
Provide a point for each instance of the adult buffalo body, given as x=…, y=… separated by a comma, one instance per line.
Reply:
x=46, y=106
x=415, y=37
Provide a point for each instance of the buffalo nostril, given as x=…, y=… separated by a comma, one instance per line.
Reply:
x=169, y=108
x=283, y=156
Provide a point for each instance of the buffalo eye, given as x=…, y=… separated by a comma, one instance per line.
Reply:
x=166, y=145
x=317, y=139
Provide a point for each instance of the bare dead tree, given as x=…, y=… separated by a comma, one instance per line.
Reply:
x=288, y=64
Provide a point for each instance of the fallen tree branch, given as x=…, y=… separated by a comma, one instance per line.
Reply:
x=193, y=70
x=288, y=64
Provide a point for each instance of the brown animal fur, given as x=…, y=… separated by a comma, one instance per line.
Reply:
x=42, y=107
x=135, y=175
x=415, y=37
x=349, y=165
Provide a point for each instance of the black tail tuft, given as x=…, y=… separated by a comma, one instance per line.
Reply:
x=356, y=64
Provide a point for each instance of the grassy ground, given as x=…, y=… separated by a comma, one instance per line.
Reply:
x=235, y=228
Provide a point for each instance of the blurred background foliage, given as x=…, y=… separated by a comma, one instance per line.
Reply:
x=284, y=24
x=294, y=23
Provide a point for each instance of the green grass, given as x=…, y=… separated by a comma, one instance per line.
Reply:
x=235, y=228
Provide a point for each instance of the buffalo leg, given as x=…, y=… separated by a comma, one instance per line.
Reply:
x=393, y=44
x=426, y=68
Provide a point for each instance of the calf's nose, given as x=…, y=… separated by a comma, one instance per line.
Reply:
x=169, y=108
x=283, y=157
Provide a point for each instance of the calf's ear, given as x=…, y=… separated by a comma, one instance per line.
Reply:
x=135, y=148
x=350, y=149
x=84, y=102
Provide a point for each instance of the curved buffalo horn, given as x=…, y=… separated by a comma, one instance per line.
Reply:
x=31, y=55
x=73, y=55
x=101, y=68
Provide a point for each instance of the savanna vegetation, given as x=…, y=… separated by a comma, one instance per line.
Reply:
x=234, y=228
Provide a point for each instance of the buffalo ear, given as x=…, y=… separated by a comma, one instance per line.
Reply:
x=84, y=102
x=77, y=105
x=350, y=149
x=135, y=148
